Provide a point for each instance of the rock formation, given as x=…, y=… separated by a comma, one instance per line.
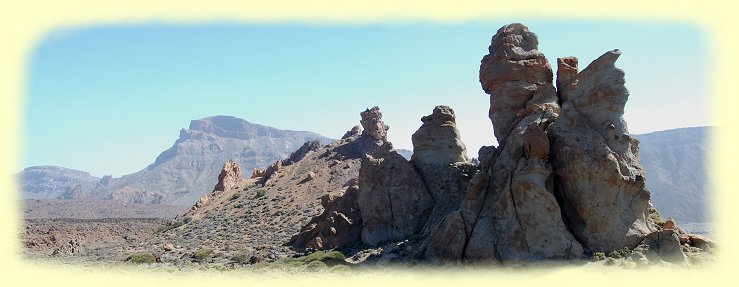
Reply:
x=437, y=141
x=600, y=178
x=267, y=173
x=356, y=130
x=339, y=225
x=440, y=158
x=393, y=199
x=229, y=177
x=374, y=128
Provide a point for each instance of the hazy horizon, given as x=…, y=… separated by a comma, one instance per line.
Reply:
x=109, y=99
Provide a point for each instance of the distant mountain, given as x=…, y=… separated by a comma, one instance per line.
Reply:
x=187, y=170
x=51, y=182
x=405, y=153
x=675, y=164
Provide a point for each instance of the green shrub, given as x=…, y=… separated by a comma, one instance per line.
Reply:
x=234, y=197
x=187, y=220
x=598, y=256
x=241, y=257
x=202, y=254
x=261, y=193
x=330, y=258
x=621, y=253
x=142, y=257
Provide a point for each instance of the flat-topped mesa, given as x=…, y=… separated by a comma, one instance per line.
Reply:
x=518, y=78
x=375, y=129
x=437, y=141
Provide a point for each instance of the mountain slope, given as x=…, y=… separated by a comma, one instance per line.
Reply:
x=675, y=164
x=189, y=169
x=50, y=182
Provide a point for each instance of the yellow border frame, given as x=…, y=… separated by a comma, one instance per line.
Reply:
x=25, y=23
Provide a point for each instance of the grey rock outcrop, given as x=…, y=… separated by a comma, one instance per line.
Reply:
x=518, y=78
x=519, y=217
x=393, y=199
x=339, y=225
x=600, y=178
x=437, y=142
x=440, y=158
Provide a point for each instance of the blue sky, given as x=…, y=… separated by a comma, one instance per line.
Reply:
x=109, y=99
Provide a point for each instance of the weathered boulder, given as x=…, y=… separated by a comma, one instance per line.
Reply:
x=600, y=179
x=663, y=245
x=229, y=177
x=393, y=199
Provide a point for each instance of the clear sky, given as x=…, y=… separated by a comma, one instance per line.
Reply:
x=109, y=99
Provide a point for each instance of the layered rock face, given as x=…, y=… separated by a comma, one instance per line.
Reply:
x=563, y=180
x=339, y=225
x=599, y=175
x=437, y=141
x=392, y=197
x=518, y=78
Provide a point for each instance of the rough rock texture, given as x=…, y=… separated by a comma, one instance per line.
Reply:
x=510, y=211
x=437, y=142
x=393, y=199
x=374, y=128
x=229, y=177
x=566, y=77
x=441, y=159
x=664, y=245
x=520, y=218
x=517, y=76
x=600, y=179
x=339, y=225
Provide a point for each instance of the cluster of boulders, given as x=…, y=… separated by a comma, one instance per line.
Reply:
x=564, y=182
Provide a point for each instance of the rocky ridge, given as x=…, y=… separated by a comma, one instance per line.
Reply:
x=564, y=183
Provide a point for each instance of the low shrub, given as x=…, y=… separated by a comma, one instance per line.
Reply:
x=142, y=257
x=598, y=256
x=202, y=254
x=260, y=193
